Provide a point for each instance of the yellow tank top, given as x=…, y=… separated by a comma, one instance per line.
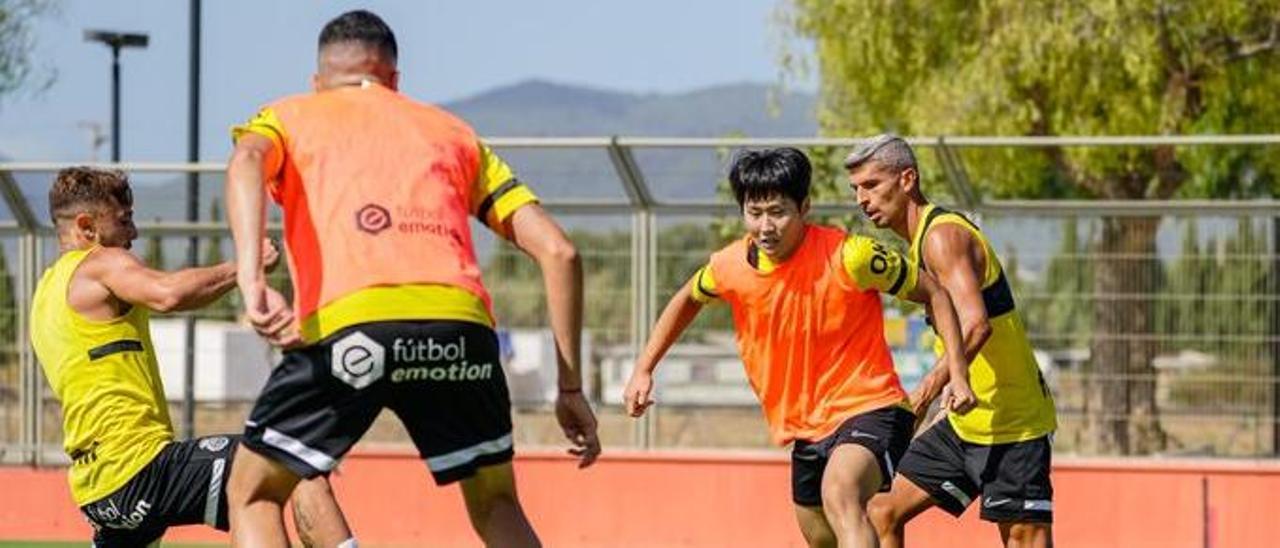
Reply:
x=114, y=415
x=1013, y=402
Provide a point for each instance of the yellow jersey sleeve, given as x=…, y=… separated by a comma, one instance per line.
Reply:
x=497, y=192
x=266, y=124
x=702, y=286
x=873, y=265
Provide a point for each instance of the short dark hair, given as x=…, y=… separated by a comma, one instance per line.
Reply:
x=364, y=27
x=763, y=174
x=85, y=189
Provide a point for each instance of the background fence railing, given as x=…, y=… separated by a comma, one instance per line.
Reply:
x=645, y=213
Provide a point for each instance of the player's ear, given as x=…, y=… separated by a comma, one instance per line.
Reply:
x=315, y=82
x=910, y=180
x=83, y=223
x=804, y=207
x=394, y=82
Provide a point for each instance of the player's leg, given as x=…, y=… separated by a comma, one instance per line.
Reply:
x=808, y=460
x=934, y=459
x=814, y=527
x=1026, y=534
x=851, y=478
x=256, y=494
x=494, y=508
x=451, y=396
x=933, y=472
x=1018, y=493
x=315, y=406
x=862, y=463
x=890, y=512
x=316, y=514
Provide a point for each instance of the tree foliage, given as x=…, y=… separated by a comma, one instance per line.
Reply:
x=17, y=68
x=1092, y=67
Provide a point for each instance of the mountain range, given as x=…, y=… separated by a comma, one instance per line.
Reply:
x=538, y=108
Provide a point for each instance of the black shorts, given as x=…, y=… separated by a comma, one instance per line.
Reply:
x=443, y=379
x=1013, y=478
x=185, y=484
x=885, y=432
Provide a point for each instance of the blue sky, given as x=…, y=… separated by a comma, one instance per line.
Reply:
x=254, y=51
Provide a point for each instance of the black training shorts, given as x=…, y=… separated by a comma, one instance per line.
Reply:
x=885, y=432
x=1013, y=478
x=443, y=379
x=185, y=484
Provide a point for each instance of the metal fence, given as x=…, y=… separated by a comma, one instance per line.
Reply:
x=646, y=213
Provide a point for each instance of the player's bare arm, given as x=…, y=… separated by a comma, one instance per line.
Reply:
x=254, y=161
x=955, y=255
x=534, y=232
x=930, y=292
x=675, y=318
x=115, y=276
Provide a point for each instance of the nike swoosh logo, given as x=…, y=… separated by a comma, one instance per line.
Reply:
x=988, y=503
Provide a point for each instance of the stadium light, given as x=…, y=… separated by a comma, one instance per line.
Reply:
x=116, y=41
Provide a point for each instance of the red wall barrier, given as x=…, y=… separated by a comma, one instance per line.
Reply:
x=730, y=499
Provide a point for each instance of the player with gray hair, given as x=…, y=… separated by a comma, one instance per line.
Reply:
x=1000, y=450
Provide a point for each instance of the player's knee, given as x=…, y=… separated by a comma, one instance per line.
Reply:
x=844, y=497
x=255, y=478
x=1024, y=534
x=488, y=491
x=316, y=488
x=820, y=537
x=884, y=517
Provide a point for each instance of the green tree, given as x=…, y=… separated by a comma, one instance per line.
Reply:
x=17, y=43
x=1091, y=67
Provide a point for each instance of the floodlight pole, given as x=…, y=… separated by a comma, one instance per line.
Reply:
x=193, y=216
x=115, y=103
x=116, y=41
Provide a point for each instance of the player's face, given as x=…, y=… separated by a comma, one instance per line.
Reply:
x=881, y=192
x=776, y=225
x=114, y=226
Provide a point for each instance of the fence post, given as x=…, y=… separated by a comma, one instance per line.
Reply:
x=32, y=388
x=642, y=264
x=1275, y=335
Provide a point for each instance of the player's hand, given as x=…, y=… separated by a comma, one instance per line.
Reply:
x=923, y=395
x=960, y=398
x=638, y=394
x=270, y=315
x=270, y=255
x=579, y=425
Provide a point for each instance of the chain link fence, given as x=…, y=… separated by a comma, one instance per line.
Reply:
x=1192, y=316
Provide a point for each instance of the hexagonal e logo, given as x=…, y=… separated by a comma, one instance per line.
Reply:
x=358, y=360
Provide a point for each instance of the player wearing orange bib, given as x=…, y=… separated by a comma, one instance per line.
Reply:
x=806, y=308
x=377, y=192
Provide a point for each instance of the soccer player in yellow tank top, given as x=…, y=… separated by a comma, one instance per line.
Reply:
x=91, y=333
x=1001, y=449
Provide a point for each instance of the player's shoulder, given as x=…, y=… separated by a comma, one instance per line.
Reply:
x=288, y=102
x=736, y=248
x=104, y=259
x=950, y=238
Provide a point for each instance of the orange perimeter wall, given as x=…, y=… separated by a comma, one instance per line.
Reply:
x=725, y=499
